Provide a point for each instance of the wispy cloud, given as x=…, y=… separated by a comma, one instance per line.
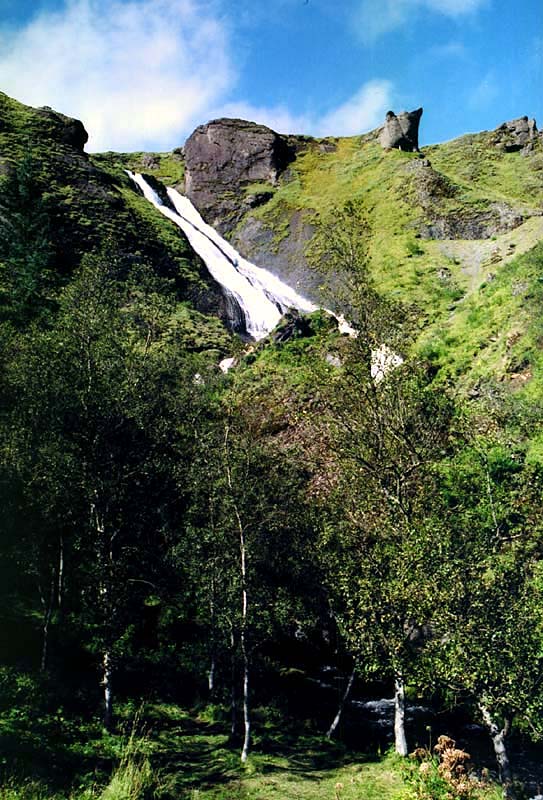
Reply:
x=454, y=50
x=141, y=74
x=364, y=110
x=374, y=18
x=137, y=73
x=484, y=93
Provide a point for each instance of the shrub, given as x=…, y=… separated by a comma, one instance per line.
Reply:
x=445, y=774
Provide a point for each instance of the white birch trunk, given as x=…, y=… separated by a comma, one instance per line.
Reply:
x=233, y=724
x=48, y=612
x=498, y=736
x=244, y=606
x=105, y=557
x=400, y=741
x=342, y=702
x=108, y=690
x=211, y=675
x=246, y=717
x=60, y=582
x=211, y=672
x=244, y=610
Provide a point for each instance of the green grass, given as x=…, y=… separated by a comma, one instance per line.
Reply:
x=169, y=168
x=167, y=752
x=495, y=331
x=434, y=276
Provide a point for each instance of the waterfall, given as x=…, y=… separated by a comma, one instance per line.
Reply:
x=261, y=297
x=257, y=298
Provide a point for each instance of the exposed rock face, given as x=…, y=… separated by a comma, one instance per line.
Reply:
x=285, y=256
x=448, y=220
x=431, y=187
x=466, y=224
x=517, y=134
x=401, y=131
x=226, y=155
x=69, y=131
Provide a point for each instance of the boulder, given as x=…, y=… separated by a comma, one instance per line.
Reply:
x=225, y=156
x=517, y=134
x=150, y=161
x=292, y=325
x=401, y=131
x=65, y=129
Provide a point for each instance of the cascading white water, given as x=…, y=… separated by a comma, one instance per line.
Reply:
x=262, y=297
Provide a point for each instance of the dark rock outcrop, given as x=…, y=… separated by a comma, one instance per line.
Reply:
x=67, y=130
x=401, y=131
x=293, y=325
x=517, y=134
x=225, y=156
x=466, y=224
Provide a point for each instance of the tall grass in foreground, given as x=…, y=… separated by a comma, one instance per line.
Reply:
x=132, y=779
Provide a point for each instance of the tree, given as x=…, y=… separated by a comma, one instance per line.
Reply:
x=381, y=540
x=490, y=621
x=26, y=251
x=388, y=428
x=251, y=538
x=98, y=434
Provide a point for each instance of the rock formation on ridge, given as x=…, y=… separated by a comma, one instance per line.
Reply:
x=68, y=130
x=225, y=156
x=401, y=131
x=517, y=134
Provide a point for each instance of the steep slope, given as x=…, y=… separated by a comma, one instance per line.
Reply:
x=446, y=227
x=92, y=208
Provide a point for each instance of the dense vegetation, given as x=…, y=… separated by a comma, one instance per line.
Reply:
x=184, y=552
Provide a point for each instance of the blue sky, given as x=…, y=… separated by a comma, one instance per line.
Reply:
x=141, y=74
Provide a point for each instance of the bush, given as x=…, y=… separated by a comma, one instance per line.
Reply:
x=445, y=774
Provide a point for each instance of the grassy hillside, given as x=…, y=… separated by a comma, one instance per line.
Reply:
x=454, y=231
x=92, y=205
x=472, y=290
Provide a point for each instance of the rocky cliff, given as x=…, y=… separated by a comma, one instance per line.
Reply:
x=223, y=159
x=268, y=192
x=439, y=223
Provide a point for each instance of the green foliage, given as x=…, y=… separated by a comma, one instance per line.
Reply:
x=136, y=479
x=444, y=774
x=133, y=777
x=26, y=277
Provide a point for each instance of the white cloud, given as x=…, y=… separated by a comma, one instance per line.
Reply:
x=361, y=112
x=374, y=18
x=484, y=93
x=139, y=73
x=279, y=118
x=364, y=110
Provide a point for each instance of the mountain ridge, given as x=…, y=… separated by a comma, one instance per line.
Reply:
x=443, y=224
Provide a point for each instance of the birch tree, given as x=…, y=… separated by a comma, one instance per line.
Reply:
x=490, y=620
x=388, y=428
x=96, y=435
